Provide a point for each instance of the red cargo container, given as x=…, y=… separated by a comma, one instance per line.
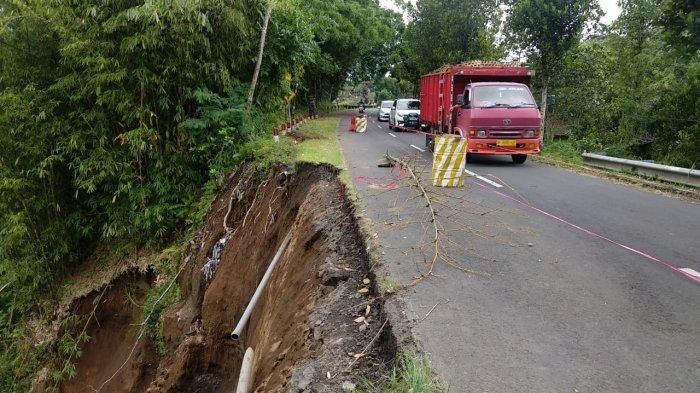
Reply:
x=499, y=116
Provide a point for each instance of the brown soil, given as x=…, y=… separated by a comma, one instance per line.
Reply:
x=302, y=330
x=112, y=330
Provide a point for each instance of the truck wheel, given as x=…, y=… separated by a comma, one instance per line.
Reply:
x=518, y=158
x=470, y=158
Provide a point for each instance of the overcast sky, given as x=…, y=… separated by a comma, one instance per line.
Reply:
x=609, y=7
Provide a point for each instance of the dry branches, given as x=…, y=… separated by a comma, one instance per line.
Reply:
x=433, y=216
x=434, y=227
x=364, y=351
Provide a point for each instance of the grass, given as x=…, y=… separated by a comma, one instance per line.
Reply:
x=388, y=284
x=411, y=374
x=322, y=145
x=561, y=150
x=161, y=295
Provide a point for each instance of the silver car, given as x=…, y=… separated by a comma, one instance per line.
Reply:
x=405, y=113
x=384, y=110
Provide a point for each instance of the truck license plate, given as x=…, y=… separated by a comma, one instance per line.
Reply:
x=506, y=142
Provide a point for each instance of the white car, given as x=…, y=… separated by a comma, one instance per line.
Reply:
x=405, y=113
x=384, y=110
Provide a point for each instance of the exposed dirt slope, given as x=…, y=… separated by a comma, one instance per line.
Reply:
x=112, y=330
x=303, y=328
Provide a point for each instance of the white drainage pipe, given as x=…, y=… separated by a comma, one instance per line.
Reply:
x=236, y=333
x=245, y=378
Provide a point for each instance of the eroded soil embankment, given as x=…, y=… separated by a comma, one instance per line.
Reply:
x=303, y=328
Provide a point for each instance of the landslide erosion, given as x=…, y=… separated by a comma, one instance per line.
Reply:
x=317, y=326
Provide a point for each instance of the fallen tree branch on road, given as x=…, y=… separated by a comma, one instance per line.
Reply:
x=433, y=215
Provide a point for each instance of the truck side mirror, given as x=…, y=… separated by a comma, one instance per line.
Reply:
x=460, y=99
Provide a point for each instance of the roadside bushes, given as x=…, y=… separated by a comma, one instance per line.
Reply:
x=95, y=141
x=118, y=119
x=632, y=91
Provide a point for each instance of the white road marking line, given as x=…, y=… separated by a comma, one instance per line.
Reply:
x=418, y=148
x=690, y=272
x=489, y=181
x=392, y=135
x=379, y=126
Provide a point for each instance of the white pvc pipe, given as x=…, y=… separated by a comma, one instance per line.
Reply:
x=236, y=333
x=245, y=378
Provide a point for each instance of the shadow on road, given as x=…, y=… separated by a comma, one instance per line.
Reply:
x=490, y=161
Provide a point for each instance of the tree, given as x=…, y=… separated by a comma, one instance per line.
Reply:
x=545, y=30
x=115, y=114
x=680, y=20
x=446, y=32
x=354, y=38
x=630, y=92
x=261, y=51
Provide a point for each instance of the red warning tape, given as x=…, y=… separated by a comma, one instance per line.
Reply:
x=667, y=265
x=396, y=175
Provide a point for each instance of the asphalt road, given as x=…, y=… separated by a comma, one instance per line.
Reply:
x=548, y=281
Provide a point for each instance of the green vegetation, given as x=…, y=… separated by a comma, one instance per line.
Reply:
x=321, y=142
x=119, y=119
x=546, y=30
x=562, y=150
x=411, y=374
x=447, y=32
x=322, y=146
x=388, y=284
x=629, y=89
x=162, y=294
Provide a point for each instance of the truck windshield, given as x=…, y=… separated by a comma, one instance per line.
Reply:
x=406, y=105
x=500, y=96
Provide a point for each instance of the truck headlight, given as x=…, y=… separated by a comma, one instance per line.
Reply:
x=530, y=134
x=481, y=133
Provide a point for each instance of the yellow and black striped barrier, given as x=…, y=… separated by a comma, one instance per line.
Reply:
x=361, y=124
x=448, y=161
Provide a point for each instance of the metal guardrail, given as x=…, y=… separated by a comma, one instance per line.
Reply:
x=689, y=177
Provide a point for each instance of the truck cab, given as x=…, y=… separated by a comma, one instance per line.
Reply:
x=488, y=103
x=499, y=118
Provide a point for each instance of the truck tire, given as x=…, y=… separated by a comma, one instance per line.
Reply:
x=470, y=158
x=518, y=158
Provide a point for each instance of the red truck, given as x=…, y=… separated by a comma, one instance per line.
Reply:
x=489, y=103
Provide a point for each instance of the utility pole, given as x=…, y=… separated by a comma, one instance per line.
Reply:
x=263, y=36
